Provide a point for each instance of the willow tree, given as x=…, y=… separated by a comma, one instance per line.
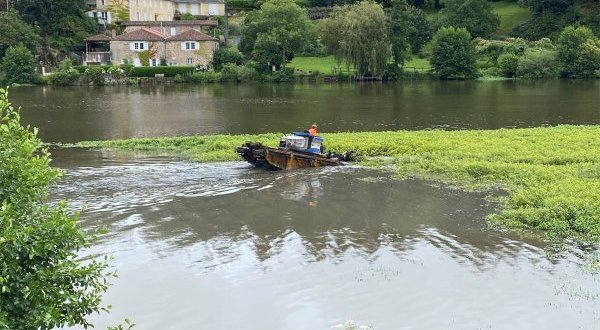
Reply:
x=358, y=35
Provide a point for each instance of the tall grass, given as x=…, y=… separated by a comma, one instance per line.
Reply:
x=552, y=174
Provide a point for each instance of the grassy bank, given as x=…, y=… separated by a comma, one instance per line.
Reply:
x=511, y=15
x=325, y=64
x=552, y=174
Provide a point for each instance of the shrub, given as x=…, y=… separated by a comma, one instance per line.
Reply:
x=203, y=77
x=578, y=52
x=537, y=63
x=43, y=283
x=63, y=78
x=225, y=55
x=283, y=75
x=168, y=71
x=18, y=65
x=96, y=75
x=232, y=72
x=507, y=64
x=453, y=54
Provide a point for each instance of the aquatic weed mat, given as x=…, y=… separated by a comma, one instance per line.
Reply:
x=551, y=174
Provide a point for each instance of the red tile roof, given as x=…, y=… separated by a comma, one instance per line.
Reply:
x=143, y=34
x=192, y=35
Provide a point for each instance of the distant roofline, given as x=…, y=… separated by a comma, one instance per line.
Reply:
x=206, y=22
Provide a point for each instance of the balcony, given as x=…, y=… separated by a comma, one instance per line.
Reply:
x=102, y=58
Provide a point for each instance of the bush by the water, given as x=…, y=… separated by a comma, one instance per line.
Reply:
x=43, y=282
x=226, y=55
x=578, y=52
x=508, y=64
x=537, y=63
x=552, y=173
x=168, y=71
x=18, y=66
x=453, y=54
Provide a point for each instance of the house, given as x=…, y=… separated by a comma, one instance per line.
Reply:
x=154, y=10
x=156, y=43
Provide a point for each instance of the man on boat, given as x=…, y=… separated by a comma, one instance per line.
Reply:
x=313, y=130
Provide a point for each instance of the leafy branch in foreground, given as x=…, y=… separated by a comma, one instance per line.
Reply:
x=42, y=283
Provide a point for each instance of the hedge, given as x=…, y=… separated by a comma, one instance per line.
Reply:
x=168, y=71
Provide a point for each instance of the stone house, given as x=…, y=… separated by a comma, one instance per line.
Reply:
x=155, y=10
x=171, y=43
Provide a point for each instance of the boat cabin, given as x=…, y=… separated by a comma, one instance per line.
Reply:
x=300, y=142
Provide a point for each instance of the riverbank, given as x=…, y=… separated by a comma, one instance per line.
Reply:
x=552, y=174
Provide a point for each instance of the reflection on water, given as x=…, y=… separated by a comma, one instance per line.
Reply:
x=73, y=114
x=227, y=246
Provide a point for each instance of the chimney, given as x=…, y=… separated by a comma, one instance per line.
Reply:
x=114, y=33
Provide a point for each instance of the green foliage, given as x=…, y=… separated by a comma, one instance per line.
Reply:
x=476, y=16
x=277, y=32
x=62, y=22
x=225, y=55
x=96, y=75
x=420, y=29
x=538, y=63
x=578, y=52
x=547, y=18
x=168, y=71
x=552, y=173
x=42, y=283
x=203, y=77
x=508, y=64
x=144, y=57
x=399, y=28
x=15, y=31
x=358, y=35
x=119, y=10
x=18, y=65
x=237, y=73
x=63, y=78
x=241, y=4
x=453, y=54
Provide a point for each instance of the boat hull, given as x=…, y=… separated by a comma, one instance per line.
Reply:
x=280, y=159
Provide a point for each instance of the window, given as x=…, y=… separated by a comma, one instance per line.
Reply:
x=104, y=15
x=190, y=61
x=173, y=31
x=153, y=62
x=138, y=46
x=189, y=45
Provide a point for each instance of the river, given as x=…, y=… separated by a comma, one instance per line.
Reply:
x=227, y=246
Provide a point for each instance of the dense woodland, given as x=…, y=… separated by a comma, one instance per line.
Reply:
x=458, y=39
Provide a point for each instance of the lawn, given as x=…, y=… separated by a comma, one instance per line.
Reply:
x=325, y=64
x=511, y=15
x=552, y=174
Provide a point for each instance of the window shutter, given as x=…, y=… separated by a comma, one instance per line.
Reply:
x=197, y=45
x=132, y=46
x=183, y=46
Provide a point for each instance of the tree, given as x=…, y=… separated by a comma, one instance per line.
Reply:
x=18, y=65
x=15, y=31
x=276, y=32
x=420, y=31
x=453, y=54
x=578, y=52
x=399, y=29
x=547, y=18
x=225, y=55
x=119, y=9
x=42, y=284
x=476, y=16
x=63, y=23
x=358, y=35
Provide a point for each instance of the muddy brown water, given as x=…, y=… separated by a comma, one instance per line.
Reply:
x=226, y=246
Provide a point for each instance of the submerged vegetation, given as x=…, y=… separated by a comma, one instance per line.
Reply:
x=552, y=174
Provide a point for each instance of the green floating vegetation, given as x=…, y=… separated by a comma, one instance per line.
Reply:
x=552, y=174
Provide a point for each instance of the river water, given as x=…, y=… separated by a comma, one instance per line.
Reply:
x=227, y=246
